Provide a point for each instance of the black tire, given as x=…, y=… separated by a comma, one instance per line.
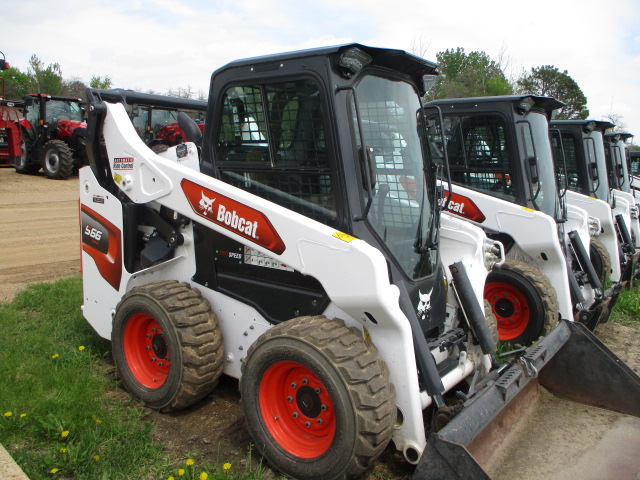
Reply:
x=57, y=160
x=600, y=259
x=523, y=300
x=167, y=345
x=337, y=423
x=24, y=163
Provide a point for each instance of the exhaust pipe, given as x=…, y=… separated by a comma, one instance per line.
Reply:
x=570, y=362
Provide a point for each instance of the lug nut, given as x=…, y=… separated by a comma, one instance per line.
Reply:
x=305, y=381
x=289, y=398
x=317, y=390
x=323, y=406
x=307, y=424
x=294, y=385
x=295, y=414
x=319, y=421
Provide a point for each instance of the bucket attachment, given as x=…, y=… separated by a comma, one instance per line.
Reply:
x=570, y=362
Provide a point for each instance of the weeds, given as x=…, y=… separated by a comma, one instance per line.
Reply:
x=627, y=308
x=59, y=417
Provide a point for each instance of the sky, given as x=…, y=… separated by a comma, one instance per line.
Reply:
x=166, y=44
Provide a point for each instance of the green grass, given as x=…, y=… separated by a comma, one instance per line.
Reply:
x=59, y=416
x=627, y=308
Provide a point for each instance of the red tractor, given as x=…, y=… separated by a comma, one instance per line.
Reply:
x=10, y=112
x=53, y=134
x=10, y=138
x=155, y=117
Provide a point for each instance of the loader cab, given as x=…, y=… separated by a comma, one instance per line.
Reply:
x=336, y=135
x=580, y=143
x=616, y=156
x=499, y=146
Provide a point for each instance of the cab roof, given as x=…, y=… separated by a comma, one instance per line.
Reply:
x=395, y=59
x=601, y=125
x=547, y=103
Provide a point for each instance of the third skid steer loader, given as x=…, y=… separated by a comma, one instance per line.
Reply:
x=305, y=254
x=581, y=144
x=503, y=177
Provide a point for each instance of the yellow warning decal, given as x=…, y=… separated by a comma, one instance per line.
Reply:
x=345, y=237
x=592, y=198
x=528, y=209
x=117, y=178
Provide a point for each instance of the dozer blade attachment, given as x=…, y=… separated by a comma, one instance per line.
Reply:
x=570, y=362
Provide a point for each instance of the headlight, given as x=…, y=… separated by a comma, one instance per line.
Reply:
x=493, y=253
x=594, y=226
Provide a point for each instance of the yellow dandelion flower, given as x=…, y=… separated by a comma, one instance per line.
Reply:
x=98, y=421
x=53, y=470
x=22, y=415
x=171, y=478
x=81, y=347
x=63, y=450
x=189, y=461
x=226, y=466
x=65, y=434
x=55, y=355
x=8, y=414
x=181, y=472
x=96, y=457
x=204, y=476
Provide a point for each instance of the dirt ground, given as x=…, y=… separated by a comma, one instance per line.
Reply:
x=556, y=439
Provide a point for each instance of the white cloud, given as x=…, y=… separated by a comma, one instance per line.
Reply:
x=161, y=44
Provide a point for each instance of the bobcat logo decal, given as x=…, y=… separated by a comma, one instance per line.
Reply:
x=424, y=305
x=206, y=204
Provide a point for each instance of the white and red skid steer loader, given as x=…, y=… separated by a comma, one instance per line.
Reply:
x=278, y=249
x=503, y=175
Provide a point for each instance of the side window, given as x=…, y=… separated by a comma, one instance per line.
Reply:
x=478, y=154
x=564, y=149
x=271, y=142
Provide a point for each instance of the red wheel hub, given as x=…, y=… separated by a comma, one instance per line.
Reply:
x=297, y=409
x=146, y=351
x=510, y=307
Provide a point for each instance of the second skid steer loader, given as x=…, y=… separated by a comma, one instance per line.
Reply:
x=304, y=254
x=503, y=176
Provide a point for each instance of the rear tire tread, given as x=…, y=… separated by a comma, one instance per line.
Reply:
x=359, y=364
x=198, y=333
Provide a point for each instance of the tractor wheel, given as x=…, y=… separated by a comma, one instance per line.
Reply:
x=23, y=163
x=600, y=259
x=167, y=345
x=57, y=160
x=317, y=399
x=523, y=301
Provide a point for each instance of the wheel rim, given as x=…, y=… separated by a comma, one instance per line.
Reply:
x=146, y=351
x=297, y=409
x=510, y=307
x=52, y=161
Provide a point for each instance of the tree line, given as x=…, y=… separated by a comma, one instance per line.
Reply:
x=463, y=74
x=475, y=74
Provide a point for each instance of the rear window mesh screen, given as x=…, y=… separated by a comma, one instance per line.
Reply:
x=478, y=154
x=271, y=142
